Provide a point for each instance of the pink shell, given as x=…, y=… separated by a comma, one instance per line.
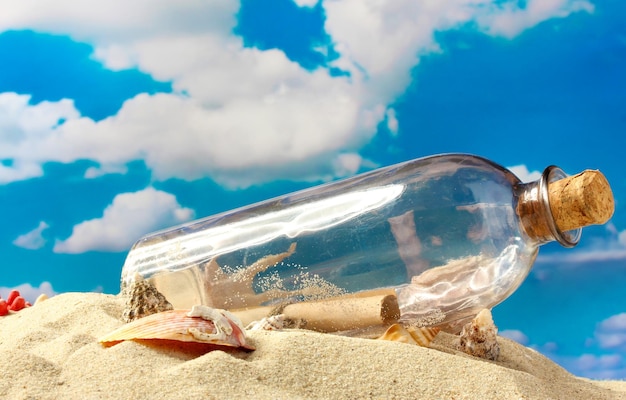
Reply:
x=200, y=325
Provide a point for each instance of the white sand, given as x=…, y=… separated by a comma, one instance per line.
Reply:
x=50, y=352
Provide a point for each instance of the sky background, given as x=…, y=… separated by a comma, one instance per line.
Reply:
x=118, y=119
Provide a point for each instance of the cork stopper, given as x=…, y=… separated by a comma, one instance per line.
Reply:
x=556, y=206
x=581, y=200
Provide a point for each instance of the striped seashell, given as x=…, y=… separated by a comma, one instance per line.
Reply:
x=419, y=336
x=200, y=325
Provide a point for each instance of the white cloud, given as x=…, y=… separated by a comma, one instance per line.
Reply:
x=611, y=332
x=612, y=340
x=23, y=124
x=621, y=238
x=608, y=248
x=95, y=172
x=116, y=21
x=508, y=20
x=596, y=366
x=609, y=336
x=548, y=348
x=19, y=170
x=392, y=121
x=615, y=322
x=239, y=115
x=306, y=3
x=604, y=366
x=130, y=216
x=29, y=292
x=583, y=256
x=348, y=163
x=34, y=239
x=522, y=172
x=516, y=335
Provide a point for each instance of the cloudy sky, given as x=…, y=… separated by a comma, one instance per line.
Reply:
x=118, y=119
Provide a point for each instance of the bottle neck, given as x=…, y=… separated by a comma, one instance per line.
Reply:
x=535, y=214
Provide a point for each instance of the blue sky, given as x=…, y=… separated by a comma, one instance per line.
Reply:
x=120, y=119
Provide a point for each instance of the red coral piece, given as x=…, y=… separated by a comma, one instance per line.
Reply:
x=14, y=302
x=17, y=304
x=12, y=296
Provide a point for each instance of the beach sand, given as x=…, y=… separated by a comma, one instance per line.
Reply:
x=50, y=351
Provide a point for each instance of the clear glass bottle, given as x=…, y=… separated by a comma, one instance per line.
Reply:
x=445, y=236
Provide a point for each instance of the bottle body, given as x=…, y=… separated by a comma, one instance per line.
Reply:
x=441, y=233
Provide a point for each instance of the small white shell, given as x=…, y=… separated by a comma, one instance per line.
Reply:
x=42, y=297
x=479, y=337
x=201, y=325
x=271, y=323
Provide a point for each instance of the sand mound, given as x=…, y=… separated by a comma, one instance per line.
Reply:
x=50, y=352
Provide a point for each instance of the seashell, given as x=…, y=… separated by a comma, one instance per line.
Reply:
x=200, y=325
x=40, y=298
x=419, y=336
x=143, y=299
x=478, y=337
x=271, y=323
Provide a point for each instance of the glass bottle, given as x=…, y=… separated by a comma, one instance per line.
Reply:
x=428, y=242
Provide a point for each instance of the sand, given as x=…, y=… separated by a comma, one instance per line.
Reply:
x=50, y=351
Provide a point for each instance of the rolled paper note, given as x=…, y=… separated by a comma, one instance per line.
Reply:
x=373, y=308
